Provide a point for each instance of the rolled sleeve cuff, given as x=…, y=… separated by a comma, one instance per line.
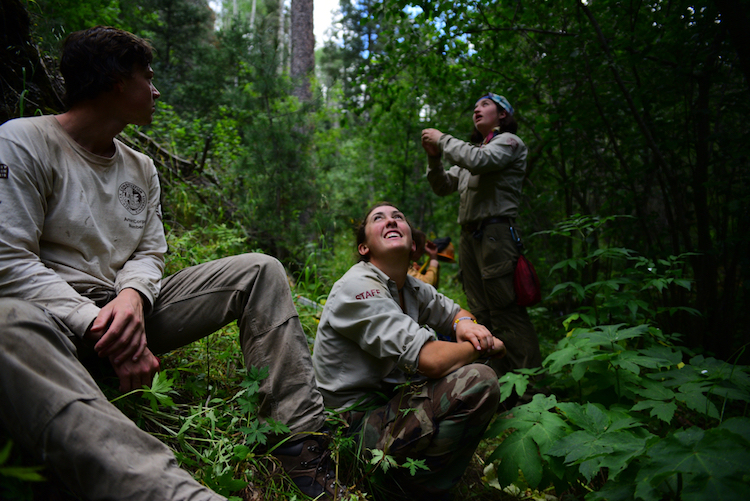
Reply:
x=146, y=294
x=81, y=318
x=408, y=361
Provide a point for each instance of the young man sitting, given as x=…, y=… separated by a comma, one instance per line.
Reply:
x=81, y=260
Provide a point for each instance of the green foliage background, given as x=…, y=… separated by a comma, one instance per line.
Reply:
x=635, y=210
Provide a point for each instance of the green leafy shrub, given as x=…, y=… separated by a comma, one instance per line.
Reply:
x=629, y=414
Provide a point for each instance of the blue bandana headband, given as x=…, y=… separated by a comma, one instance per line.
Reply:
x=499, y=100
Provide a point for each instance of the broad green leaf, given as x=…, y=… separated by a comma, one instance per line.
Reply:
x=578, y=446
x=560, y=358
x=692, y=394
x=686, y=284
x=536, y=429
x=588, y=416
x=415, y=464
x=518, y=451
x=711, y=462
x=557, y=289
x=507, y=469
x=626, y=445
x=581, y=367
x=574, y=264
x=613, y=491
x=511, y=381
x=660, y=409
x=241, y=452
x=157, y=394
x=383, y=460
x=610, y=334
x=628, y=360
x=738, y=425
x=228, y=481
x=533, y=419
x=657, y=356
x=255, y=432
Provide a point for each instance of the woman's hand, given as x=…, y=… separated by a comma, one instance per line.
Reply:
x=478, y=335
x=430, y=141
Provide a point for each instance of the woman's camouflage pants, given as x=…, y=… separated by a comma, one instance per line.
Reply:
x=440, y=421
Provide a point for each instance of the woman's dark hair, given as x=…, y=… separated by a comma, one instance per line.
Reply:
x=507, y=124
x=94, y=60
x=361, y=236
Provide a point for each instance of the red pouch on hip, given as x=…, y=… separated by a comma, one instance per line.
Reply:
x=526, y=283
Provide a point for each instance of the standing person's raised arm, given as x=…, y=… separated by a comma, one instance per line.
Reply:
x=503, y=151
x=441, y=181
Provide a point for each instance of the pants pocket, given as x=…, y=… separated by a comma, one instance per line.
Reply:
x=498, y=284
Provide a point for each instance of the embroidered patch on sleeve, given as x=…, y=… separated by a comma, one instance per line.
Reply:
x=513, y=143
x=3, y=171
x=368, y=294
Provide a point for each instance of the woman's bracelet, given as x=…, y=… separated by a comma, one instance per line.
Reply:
x=455, y=322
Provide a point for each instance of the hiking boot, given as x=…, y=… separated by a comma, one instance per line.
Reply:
x=308, y=463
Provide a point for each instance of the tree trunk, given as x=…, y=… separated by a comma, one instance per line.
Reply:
x=303, y=48
x=26, y=84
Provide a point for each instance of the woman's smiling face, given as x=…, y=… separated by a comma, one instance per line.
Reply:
x=386, y=232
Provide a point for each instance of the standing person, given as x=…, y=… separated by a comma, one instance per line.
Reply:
x=401, y=390
x=488, y=177
x=81, y=260
x=429, y=272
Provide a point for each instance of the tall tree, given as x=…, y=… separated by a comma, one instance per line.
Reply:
x=303, y=48
x=27, y=85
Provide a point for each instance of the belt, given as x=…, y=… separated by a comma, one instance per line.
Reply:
x=479, y=225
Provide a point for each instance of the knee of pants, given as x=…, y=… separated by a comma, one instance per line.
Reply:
x=488, y=378
x=481, y=384
x=268, y=267
x=258, y=259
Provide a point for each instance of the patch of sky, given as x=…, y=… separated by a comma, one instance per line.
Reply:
x=441, y=25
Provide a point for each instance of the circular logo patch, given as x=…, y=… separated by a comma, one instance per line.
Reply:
x=132, y=198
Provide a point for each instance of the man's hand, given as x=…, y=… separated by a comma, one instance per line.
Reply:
x=135, y=374
x=430, y=141
x=119, y=329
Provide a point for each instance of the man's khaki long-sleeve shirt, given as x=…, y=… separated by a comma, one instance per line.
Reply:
x=75, y=223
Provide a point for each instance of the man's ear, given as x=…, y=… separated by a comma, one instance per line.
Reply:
x=363, y=249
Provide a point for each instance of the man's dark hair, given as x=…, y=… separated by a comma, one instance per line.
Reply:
x=94, y=60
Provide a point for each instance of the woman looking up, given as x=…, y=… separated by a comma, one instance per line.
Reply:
x=488, y=176
x=377, y=360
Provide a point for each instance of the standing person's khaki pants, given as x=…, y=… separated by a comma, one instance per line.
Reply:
x=51, y=405
x=487, y=265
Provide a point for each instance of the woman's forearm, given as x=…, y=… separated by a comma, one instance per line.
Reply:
x=440, y=358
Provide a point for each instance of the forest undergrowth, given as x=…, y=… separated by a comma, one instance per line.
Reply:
x=618, y=411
